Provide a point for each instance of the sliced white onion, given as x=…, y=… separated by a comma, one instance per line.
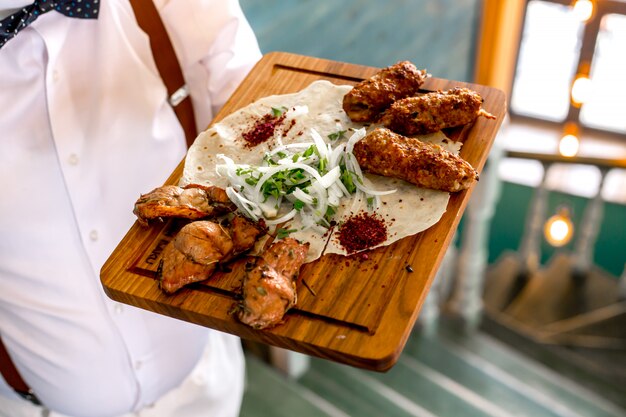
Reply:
x=330, y=177
x=373, y=192
x=335, y=155
x=309, y=160
x=270, y=207
x=282, y=219
x=298, y=145
x=333, y=200
x=227, y=168
x=322, y=201
x=319, y=144
x=356, y=136
x=243, y=204
x=302, y=196
x=356, y=168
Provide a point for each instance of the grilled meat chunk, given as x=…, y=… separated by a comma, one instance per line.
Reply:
x=245, y=233
x=192, y=202
x=424, y=164
x=434, y=111
x=193, y=254
x=269, y=287
x=199, y=246
x=369, y=98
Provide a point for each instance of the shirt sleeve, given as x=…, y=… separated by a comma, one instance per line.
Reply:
x=216, y=48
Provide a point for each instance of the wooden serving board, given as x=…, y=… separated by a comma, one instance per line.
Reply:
x=357, y=310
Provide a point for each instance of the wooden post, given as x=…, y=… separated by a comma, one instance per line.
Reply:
x=498, y=43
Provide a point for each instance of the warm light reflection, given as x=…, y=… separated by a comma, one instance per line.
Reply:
x=568, y=145
x=559, y=229
x=570, y=141
x=581, y=90
x=583, y=9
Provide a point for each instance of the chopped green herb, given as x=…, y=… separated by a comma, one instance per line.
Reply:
x=298, y=174
x=269, y=160
x=346, y=179
x=337, y=135
x=322, y=165
x=283, y=233
x=298, y=205
x=243, y=171
x=278, y=111
x=310, y=151
x=272, y=188
x=261, y=291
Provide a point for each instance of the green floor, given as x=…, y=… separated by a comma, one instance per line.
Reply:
x=446, y=374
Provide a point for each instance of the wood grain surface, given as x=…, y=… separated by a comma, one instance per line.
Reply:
x=357, y=310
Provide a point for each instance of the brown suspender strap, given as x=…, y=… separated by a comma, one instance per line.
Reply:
x=12, y=376
x=167, y=63
x=9, y=372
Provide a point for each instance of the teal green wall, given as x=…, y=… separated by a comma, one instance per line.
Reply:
x=435, y=34
x=508, y=225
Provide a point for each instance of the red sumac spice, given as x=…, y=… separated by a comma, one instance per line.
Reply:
x=362, y=231
x=262, y=130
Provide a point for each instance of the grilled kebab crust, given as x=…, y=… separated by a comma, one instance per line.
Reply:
x=369, y=98
x=194, y=201
x=200, y=246
x=269, y=286
x=434, y=111
x=424, y=164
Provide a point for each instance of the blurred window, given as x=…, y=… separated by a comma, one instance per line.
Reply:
x=547, y=61
x=605, y=108
x=557, y=45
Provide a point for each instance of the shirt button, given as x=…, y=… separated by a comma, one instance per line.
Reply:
x=55, y=76
x=118, y=308
x=93, y=235
x=138, y=365
x=73, y=159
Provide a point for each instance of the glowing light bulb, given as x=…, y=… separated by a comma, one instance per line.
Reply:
x=559, y=229
x=581, y=90
x=568, y=145
x=583, y=9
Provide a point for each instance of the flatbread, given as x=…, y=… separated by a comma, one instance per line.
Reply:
x=408, y=211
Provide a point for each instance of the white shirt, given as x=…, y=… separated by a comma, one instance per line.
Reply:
x=84, y=129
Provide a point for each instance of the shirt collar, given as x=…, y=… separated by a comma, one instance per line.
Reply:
x=8, y=7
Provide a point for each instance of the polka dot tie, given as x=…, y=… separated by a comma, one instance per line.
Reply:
x=82, y=9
